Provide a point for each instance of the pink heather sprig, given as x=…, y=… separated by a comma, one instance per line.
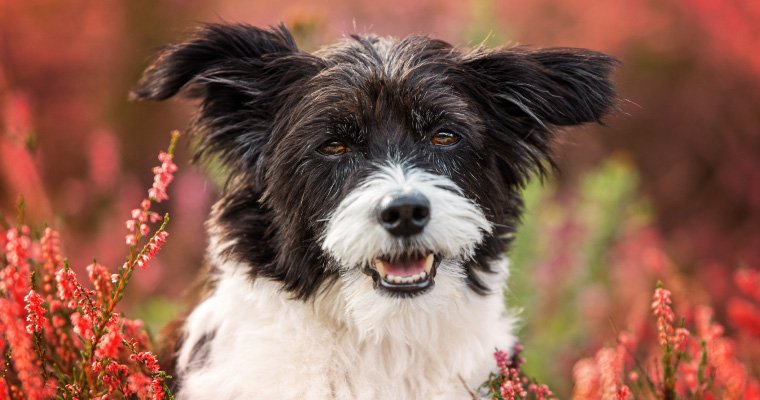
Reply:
x=15, y=282
x=18, y=246
x=661, y=309
x=542, y=391
x=51, y=250
x=103, y=339
x=35, y=313
x=163, y=176
x=510, y=384
x=153, y=246
x=61, y=329
x=599, y=377
x=150, y=362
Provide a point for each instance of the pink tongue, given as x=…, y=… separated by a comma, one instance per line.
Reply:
x=404, y=268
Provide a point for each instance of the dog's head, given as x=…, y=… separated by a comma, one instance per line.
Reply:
x=387, y=164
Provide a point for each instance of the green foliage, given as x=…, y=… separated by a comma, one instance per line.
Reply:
x=563, y=250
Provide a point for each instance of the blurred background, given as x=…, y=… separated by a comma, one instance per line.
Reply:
x=669, y=189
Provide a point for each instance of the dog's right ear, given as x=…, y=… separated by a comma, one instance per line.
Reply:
x=242, y=75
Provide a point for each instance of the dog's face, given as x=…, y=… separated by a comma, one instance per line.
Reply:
x=388, y=165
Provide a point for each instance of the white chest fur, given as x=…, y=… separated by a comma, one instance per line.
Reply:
x=259, y=344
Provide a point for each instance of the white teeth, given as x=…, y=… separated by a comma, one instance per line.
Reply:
x=380, y=268
x=406, y=279
x=429, y=263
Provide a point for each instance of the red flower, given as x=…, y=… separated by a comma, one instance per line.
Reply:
x=36, y=314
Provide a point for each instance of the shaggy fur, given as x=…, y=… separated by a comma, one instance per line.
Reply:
x=298, y=306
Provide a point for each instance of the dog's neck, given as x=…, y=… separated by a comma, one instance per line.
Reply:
x=248, y=328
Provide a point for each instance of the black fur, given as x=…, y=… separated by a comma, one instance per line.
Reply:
x=266, y=107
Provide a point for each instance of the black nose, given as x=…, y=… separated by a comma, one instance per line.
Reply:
x=404, y=214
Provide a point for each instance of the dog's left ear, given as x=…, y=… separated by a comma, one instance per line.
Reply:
x=529, y=92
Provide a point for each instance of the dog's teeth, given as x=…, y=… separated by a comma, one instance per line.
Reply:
x=408, y=280
x=399, y=279
x=429, y=263
x=380, y=268
x=415, y=277
x=423, y=275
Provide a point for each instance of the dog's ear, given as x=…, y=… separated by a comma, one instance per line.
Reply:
x=526, y=93
x=242, y=75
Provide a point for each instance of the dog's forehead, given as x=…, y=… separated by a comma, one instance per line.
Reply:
x=383, y=85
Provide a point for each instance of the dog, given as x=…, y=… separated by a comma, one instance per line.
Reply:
x=358, y=249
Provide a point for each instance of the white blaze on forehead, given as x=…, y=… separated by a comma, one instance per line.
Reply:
x=354, y=236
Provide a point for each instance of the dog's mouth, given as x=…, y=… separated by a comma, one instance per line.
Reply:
x=407, y=275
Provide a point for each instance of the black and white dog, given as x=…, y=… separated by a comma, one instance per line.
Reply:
x=358, y=250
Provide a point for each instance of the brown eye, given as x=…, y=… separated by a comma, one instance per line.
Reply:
x=333, y=148
x=445, y=139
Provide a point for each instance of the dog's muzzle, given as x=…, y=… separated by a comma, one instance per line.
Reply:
x=399, y=225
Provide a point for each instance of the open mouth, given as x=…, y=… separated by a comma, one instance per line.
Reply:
x=407, y=275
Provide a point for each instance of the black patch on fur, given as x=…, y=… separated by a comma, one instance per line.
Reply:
x=266, y=107
x=201, y=349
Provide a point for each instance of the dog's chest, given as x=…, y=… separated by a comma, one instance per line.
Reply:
x=251, y=341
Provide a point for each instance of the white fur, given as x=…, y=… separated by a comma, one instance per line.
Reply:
x=267, y=346
x=354, y=237
x=352, y=341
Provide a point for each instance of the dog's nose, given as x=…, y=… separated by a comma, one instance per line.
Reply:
x=404, y=214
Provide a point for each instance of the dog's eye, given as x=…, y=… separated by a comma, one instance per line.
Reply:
x=333, y=148
x=445, y=139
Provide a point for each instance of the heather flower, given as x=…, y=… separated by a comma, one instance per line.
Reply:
x=24, y=360
x=587, y=380
x=150, y=361
x=158, y=389
x=17, y=246
x=509, y=383
x=36, y=314
x=163, y=176
x=51, y=250
x=541, y=391
x=661, y=309
x=67, y=285
x=140, y=215
x=623, y=393
x=680, y=339
x=152, y=248
x=111, y=343
x=86, y=335
x=100, y=278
